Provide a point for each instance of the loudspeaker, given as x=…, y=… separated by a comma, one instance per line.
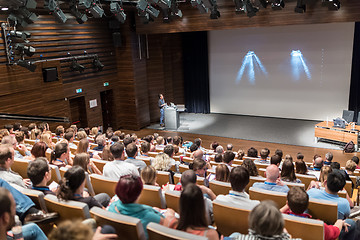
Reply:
x=117, y=39
x=348, y=116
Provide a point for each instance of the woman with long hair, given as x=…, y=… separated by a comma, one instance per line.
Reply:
x=251, y=167
x=193, y=213
x=288, y=172
x=222, y=173
x=60, y=155
x=83, y=160
x=72, y=188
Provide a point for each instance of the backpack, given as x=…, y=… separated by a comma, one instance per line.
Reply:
x=349, y=147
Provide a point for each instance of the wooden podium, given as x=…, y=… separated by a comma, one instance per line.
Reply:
x=326, y=130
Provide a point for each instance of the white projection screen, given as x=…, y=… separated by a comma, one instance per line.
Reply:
x=299, y=72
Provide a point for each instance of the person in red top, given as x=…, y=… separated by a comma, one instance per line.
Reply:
x=356, y=160
x=296, y=205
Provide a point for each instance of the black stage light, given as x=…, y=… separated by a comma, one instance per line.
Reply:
x=29, y=17
x=17, y=19
x=96, y=10
x=300, y=6
x=80, y=17
x=53, y=7
x=50, y=5
x=250, y=9
x=277, y=4
x=60, y=16
x=23, y=49
x=31, y=4
x=97, y=65
x=331, y=4
x=85, y=4
x=18, y=34
x=31, y=66
x=175, y=9
x=239, y=6
x=144, y=6
x=75, y=66
x=118, y=11
x=199, y=5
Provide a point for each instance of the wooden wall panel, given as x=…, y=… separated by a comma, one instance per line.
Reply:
x=192, y=20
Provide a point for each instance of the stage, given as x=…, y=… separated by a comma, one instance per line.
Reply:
x=265, y=129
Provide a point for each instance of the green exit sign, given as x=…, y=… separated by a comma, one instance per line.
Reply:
x=79, y=90
x=106, y=84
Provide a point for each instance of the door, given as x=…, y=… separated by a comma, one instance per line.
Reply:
x=78, y=112
x=107, y=108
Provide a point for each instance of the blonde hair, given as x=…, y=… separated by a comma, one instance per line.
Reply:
x=81, y=135
x=94, y=131
x=162, y=162
x=46, y=138
x=71, y=230
x=324, y=172
x=34, y=134
x=106, y=154
x=350, y=165
x=240, y=154
x=148, y=175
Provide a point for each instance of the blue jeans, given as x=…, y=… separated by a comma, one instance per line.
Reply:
x=161, y=115
x=23, y=202
x=351, y=234
x=32, y=231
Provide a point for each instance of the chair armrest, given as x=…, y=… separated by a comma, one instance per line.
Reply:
x=355, y=196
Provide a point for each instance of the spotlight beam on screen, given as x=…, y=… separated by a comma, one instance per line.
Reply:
x=298, y=62
x=250, y=61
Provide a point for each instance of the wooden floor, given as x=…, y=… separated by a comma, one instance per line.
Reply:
x=308, y=152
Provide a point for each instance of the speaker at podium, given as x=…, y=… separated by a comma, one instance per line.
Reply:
x=172, y=119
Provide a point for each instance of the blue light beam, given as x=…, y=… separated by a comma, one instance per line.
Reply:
x=298, y=64
x=250, y=61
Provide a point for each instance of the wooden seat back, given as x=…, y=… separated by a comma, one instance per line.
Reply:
x=127, y=227
x=219, y=187
x=20, y=166
x=253, y=180
x=152, y=196
x=163, y=178
x=229, y=219
x=183, y=168
x=304, y=228
x=172, y=199
x=55, y=173
x=306, y=179
x=160, y=232
x=260, y=194
x=103, y=184
x=323, y=210
x=99, y=163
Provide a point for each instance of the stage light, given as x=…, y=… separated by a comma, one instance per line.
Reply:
x=175, y=9
x=97, y=65
x=75, y=66
x=249, y=8
x=18, y=34
x=331, y=4
x=277, y=4
x=96, y=11
x=118, y=11
x=29, y=17
x=23, y=49
x=17, y=19
x=300, y=6
x=199, y=5
x=54, y=9
x=239, y=6
x=80, y=17
x=85, y=4
x=144, y=7
x=60, y=16
x=4, y=9
x=31, y=66
x=31, y=4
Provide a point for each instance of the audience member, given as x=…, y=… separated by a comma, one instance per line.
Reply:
x=222, y=173
x=228, y=158
x=265, y=222
x=149, y=176
x=272, y=183
x=118, y=167
x=328, y=158
x=72, y=188
x=219, y=149
x=131, y=151
x=240, y=154
x=83, y=160
x=288, y=157
x=213, y=146
x=279, y=152
x=100, y=141
x=218, y=158
x=128, y=190
x=11, y=141
x=275, y=160
x=251, y=167
x=264, y=154
x=193, y=213
x=6, y=161
x=61, y=155
x=199, y=166
x=229, y=147
x=38, y=150
x=317, y=165
x=300, y=166
x=356, y=160
x=298, y=202
x=252, y=152
x=106, y=154
x=39, y=173
x=69, y=136
x=46, y=138
x=144, y=149
x=239, y=178
x=334, y=183
x=288, y=172
x=350, y=167
x=81, y=135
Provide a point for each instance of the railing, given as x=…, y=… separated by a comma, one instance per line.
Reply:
x=34, y=118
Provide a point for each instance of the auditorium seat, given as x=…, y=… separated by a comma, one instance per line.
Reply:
x=55, y=173
x=229, y=219
x=187, y=159
x=306, y=179
x=73, y=150
x=348, y=187
x=261, y=165
x=260, y=194
x=183, y=168
x=219, y=187
x=20, y=166
x=152, y=196
x=160, y=232
x=67, y=210
x=262, y=171
x=127, y=227
x=153, y=154
x=323, y=210
x=304, y=228
x=163, y=178
x=177, y=177
x=188, y=154
x=36, y=196
x=99, y=163
x=147, y=160
x=252, y=180
x=103, y=184
x=29, y=141
x=172, y=199
x=62, y=171
x=89, y=186
x=92, y=145
x=238, y=162
x=212, y=163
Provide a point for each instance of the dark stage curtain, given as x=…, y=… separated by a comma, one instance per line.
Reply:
x=196, y=72
x=354, y=99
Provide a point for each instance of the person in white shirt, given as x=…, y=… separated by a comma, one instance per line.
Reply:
x=118, y=167
x=239, y=178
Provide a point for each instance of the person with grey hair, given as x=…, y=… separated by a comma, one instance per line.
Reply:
x=219, y=149
x=328, y=158
x=100, y=141
x=11, y=140
x=229, y=147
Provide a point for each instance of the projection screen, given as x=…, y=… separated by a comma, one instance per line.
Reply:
x=299, y=72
